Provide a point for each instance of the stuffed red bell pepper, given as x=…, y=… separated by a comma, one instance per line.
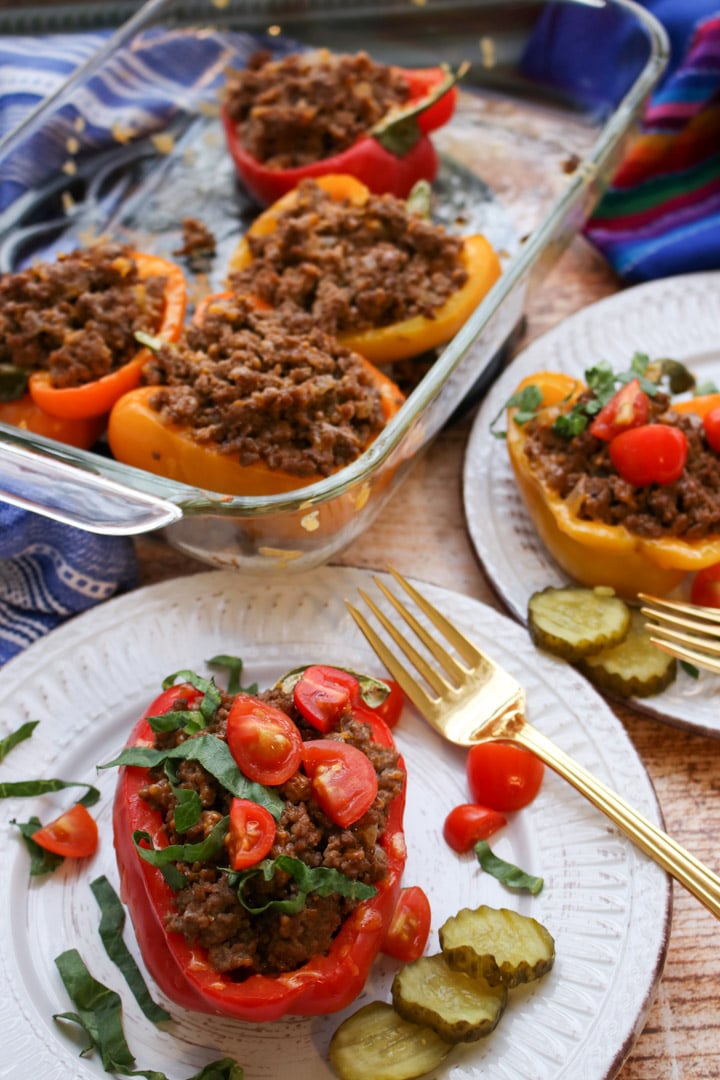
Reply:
x=314, y=113
x=67, y=336
x=259, y=841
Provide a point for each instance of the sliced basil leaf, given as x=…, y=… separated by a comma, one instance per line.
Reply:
x=165, y=858
x=506, y=872
x=27, y=788
x=211, y=695
x=310, y=879
x=373, y=691
x=189, y=807
x=235, y=666
x=41, y=861
x=214, y=755
x=13, y=382
x=112, y=923
x=690, y=669
x=99, y=1013
x=190, y=720
x=10, y=741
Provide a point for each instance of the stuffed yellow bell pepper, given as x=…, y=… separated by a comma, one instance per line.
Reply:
x=594, y=552
x=308, y=256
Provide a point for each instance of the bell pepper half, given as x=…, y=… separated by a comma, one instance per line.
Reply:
x=25, y=414
x=409, y=337
x=139, y=436
x=323, y=985
x=593, y=552
x=96, y=398
x=391, y=157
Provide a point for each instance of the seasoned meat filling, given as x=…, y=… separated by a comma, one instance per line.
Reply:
x=76, y=317
x=208, y=911
x=309, y=106
x=580, y=471
x=270, y=387
x=353, y=267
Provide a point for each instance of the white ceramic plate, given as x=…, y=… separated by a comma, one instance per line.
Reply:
x=607, y=905
x=677, y=317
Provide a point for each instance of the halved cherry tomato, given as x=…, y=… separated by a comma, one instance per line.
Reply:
x=711, y=423
x=468, y=823
x=324, y=694
x=626, y=409
x=73, y=834
x=265, y=743
x=392, y=707
x=343, y=779
x=409, y=927
x=502, y=776
x=705, y=589
x=651, y=454
x=251, y=833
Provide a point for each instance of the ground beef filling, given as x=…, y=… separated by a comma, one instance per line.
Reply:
x=76, y=317
x=353, y=267
x=581, y=472
x=269, y=387
x=309, y=106
x=208, y=912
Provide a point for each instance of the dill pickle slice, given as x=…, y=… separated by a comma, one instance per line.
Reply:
x=574, y=622
x=634, y=668
x=457, y=1006
x=376, y=1043
x=497, y=944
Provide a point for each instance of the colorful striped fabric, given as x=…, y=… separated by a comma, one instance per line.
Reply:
x=661, y=214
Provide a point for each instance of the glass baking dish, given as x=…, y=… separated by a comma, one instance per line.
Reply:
x=550, y=100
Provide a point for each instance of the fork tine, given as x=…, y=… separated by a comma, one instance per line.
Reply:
x=672, y=611
x=668, y=629
x=464, y=646
x=450, y=664
x=691, y=656
x=410, y=686
x=432, y=677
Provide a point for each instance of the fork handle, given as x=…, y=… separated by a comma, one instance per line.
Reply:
x=671, y=856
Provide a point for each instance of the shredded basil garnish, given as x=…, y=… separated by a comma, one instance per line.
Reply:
x=11, y=741
x=189, y=807
x=234, y=666
x=112, y=923
x=372, y=691
x=27, y=788
x=165, y=858
x=309, y=879
x=211, y=695
x=214, y=755
x=190, y=720
x=505, y=872
x=41, y=861
x=690, y=669
x=99, y=1014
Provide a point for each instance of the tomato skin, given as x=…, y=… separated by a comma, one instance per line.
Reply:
x=74, y=834
x=409, y=927
x=626, y=409
x=264, y=742
x=324, y=694
x=251, y=834
x=711, y=424
x=503, y=776
x=705, y=589
x=651, y=454
x=343, y=779
x=468, y=823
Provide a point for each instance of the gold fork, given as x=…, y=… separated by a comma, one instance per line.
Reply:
x=687, y=631
x=474, y=700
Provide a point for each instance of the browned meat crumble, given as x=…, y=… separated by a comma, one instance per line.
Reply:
x=76, y=316
x=580, y=471
x=268, y=387
x=353, y=267
x=309, y=106
x=208, y=911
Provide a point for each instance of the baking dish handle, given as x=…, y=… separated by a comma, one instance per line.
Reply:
x=58, y=490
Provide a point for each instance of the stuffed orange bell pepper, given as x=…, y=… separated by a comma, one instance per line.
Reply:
x=25, y=414
x=388, y=341
x=252, y=405
x=595, y=552
x=96, y=397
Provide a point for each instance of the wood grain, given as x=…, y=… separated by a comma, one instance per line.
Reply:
x=422, y=532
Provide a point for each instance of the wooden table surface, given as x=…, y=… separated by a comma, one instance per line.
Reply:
x=681, y=1038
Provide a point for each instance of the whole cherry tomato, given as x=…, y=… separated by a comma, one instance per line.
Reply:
x=74, y=834
x=251, y=833
x=711, y=424
x=626, y=409
x=651, y=454
x=409, y=927
x=343, y=779
x=468, y=823
x=503, y=776
x=705, y=589
x=265, y=743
